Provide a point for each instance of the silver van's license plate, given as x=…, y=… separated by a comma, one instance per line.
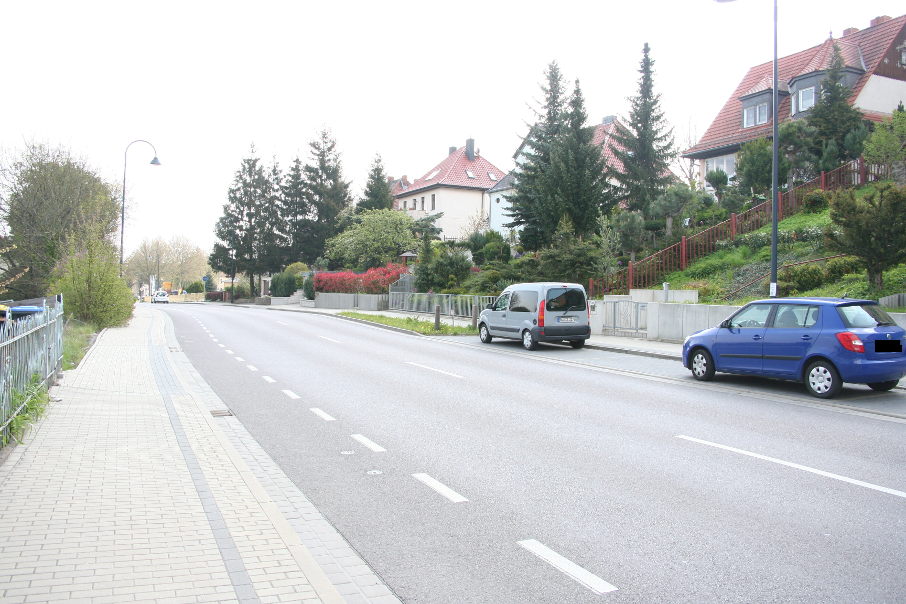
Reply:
x=566, y=319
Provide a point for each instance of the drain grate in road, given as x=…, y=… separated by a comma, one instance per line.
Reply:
x=221, y=413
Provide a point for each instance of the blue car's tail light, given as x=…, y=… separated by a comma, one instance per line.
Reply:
x=850, y=341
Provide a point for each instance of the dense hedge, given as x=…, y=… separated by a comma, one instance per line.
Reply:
x=372, y=281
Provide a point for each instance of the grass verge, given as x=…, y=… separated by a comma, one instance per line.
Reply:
x=413, y=324
x=35, y=399
x=77, y=338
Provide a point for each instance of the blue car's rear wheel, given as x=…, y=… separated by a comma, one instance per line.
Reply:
x=822, y=379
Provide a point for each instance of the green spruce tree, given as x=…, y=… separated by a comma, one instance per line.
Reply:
x=532, y=207
x=377, y=192
x=833, y=118
x=239, y=226
x=643, y=144
x=327, y=192
x=577, y=175
x=296, y=211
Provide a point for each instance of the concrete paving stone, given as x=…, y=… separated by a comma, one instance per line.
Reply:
x=366, y=580
x=356, y=599
x=376, y=591
x=47, y=583
x=388, y=599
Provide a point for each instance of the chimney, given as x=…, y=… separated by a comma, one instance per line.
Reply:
x=849, y=31
x=879, y=20
x=470, y=149
x=452, y=150
x=608, y=119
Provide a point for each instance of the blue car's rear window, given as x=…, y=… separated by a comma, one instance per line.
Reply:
x=864, y=315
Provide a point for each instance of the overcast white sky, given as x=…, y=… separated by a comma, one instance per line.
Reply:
x=203, y=80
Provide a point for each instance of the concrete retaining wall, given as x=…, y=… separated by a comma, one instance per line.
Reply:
x=673, y=322
x=280, y=300
x=352, y=301
x=688, y=296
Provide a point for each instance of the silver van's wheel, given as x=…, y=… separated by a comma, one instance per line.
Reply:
x=483, y=334
x=528, y=342
x=822, y=379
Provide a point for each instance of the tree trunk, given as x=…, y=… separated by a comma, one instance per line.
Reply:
x=669, y=226
x=876, y=278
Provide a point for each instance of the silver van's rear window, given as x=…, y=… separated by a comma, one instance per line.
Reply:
x=565, y=298
x=864, y=315
x=524, y=301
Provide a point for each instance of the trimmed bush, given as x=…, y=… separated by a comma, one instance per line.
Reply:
x=308, y=288
x=196, y=287
x=837, y=267
x=804, y=277
x=815, y=201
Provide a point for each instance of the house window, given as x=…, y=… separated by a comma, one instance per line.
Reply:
x=423, y=202
x=433, y=204
x=755, y=115
x=470, y=174
x=762, y=117
x=806, y=99
x=727, y=163
x=414, y=202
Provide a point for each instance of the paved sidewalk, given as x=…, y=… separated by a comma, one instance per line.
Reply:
x=131, y=490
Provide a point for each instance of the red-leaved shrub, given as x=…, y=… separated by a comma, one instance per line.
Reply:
x=372, y=281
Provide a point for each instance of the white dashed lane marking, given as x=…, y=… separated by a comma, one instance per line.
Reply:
x=440, y=488
x=323, y=415
x=369, y=443
x=589, y=580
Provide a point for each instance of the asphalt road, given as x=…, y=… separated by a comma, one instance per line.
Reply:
x=485, y=473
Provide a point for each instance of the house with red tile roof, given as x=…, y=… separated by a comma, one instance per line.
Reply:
x=874, y=70
x=457, y=186
x=499, y=206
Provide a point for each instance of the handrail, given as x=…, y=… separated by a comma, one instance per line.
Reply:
x=646, y=271
x=729, y=295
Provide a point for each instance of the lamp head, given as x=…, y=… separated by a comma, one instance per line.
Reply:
x=155, y=161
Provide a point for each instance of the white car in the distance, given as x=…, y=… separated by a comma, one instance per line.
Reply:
x=160, y=296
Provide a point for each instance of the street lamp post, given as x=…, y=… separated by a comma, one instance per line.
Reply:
x=154, y=162
x=774, y=168
x=775, y=200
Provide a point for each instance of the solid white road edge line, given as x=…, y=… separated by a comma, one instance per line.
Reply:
x=790, y=464
x=440, y=488
x=268, y=379
x=323, y=415
x=291, y=394
x=329, y=339
x=433, y=369
x=369, y=443
x=589, y=580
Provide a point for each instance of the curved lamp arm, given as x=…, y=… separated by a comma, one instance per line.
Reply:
x=154, y=162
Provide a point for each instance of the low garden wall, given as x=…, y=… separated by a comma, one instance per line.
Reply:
x=352, y=301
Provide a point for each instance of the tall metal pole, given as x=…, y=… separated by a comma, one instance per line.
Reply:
x=154, y=162
x=774, y=169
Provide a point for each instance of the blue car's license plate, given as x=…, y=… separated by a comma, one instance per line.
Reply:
x=888, y=346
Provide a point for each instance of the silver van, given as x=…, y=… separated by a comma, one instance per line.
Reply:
x=538, y=312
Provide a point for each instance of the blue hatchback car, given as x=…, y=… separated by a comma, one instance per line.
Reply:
x=822, y=342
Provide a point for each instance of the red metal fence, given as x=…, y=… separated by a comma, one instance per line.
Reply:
x=650, y=271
